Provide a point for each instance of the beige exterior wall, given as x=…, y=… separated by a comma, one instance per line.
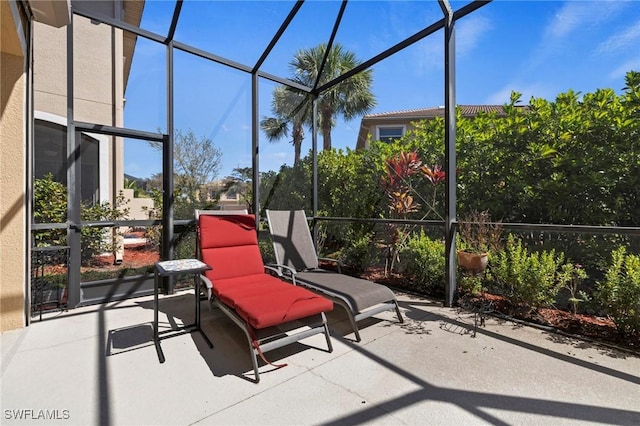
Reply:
x=137, y=206
x=369, y=129
x=13, y=264
x=99, y=96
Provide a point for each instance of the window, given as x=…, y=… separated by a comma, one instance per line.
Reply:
x=50, y=156
x=231, y=195
x=388, y=134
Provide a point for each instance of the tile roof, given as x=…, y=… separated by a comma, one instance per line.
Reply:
x=467, y=111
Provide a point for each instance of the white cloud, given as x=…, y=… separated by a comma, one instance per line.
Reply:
x=567, y=26
x=621, y=41
x=619, y=73
x=280, y=156
x=273, y=160
x=537, y=90
x=431, y=52
x=575, y=15
x=469, y=31
x=500, y=97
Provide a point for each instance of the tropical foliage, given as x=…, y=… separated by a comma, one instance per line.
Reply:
x=479, y=234
x=239, y=183
x=532, y=279
x=404, y=171
x=424, y=262
x=572, y=160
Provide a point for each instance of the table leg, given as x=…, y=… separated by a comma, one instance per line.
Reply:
x=196, y=289
x=156, y=336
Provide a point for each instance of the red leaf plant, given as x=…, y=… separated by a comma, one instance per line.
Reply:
x=397, y=183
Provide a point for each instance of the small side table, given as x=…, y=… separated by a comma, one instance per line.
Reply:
x=176, y=267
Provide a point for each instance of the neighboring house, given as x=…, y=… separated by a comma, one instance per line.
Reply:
x=139, y=207
x=387, y=126
x=229, y=200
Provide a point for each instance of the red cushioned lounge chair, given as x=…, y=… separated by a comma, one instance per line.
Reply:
x=271, y=312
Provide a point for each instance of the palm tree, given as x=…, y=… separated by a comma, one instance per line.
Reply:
x=349, y=98
x=290, y=110
x=291, y=107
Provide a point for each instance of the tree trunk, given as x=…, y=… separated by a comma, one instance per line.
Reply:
x=298, y=136
x=325, y=123
x=326, y=139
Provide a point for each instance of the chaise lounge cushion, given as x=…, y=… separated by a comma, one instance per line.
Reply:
x=228, y=244
x=277, y=303
x=358, y=293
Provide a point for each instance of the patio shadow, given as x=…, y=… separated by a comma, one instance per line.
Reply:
x=230, y=352
x=451, y=323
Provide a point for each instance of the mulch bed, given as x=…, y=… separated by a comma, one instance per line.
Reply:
x=591, y=327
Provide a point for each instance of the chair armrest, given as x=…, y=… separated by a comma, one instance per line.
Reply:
x=274, y=268
x=279, y=268
x=282, y=270
x=339, y=263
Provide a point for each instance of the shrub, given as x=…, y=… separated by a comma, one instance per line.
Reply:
x=99, y=240
x=531, y=279
x=470, y=284
x=49, y=206
x=99, y=275
x=424, y=261
x=357, y=255
x=573, y=275
x=185, y=243
x=619, y=293
x=266, y=246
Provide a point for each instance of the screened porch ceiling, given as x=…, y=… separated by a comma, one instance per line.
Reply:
x=254, y=36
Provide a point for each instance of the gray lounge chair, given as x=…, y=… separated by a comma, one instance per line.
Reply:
x=294, y=248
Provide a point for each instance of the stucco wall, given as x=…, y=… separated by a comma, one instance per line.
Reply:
x=98, y=92
x=99, y=99
x=137, y=206
x=368, y=127
x=12, y=192
x=92, y=71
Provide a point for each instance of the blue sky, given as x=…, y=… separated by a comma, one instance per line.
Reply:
x=538, y=48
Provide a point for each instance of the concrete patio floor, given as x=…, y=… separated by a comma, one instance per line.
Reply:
x=98, y=365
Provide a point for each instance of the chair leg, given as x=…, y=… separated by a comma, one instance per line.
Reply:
x=326, y=332
x=352, y=319
x=254, y=359
x=400, y=319
x=354, y=326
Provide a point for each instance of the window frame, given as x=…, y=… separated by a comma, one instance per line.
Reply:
x=388, y=139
